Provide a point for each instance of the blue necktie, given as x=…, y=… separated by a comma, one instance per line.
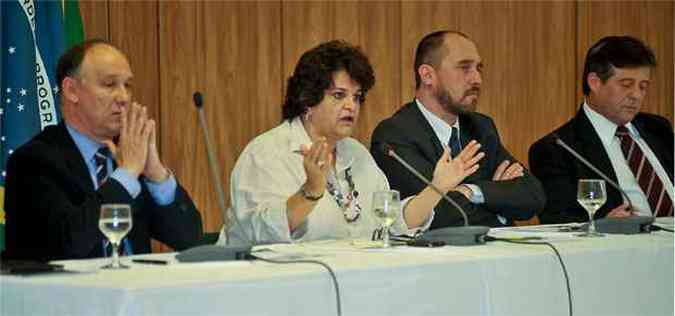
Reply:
x=455, y=146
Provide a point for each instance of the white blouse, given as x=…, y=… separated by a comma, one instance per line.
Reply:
x=268, y=172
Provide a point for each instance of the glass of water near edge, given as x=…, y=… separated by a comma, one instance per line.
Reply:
x=115, y=223
x=592, y=195
x=387, y=208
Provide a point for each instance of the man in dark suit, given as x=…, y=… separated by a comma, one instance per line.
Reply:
x=103, y=152
x=448, y=80
x=606, y=127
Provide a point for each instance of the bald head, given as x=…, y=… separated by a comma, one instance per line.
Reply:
x=70, y=62
x=103, y=60
x=96, y=87
x=433, y=48
x=448, y=75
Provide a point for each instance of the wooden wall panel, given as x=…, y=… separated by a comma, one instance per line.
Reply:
x=529, y=55
x=652, y=22
x=94, y=18
x=379, y=37
x=231, y=52
x=181, y=65
x=372, y=25
x=244, y=70
x=239, y=54
x=140, y=19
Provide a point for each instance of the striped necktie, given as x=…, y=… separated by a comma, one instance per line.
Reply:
x=101, y=159
x=649, y=181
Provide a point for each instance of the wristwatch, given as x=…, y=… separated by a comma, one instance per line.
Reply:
x=309, y=197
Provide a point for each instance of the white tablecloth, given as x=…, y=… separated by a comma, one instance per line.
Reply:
x=614, y=275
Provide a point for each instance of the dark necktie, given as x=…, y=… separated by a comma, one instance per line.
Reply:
x=454, y=144
x=101, y=158
x=649, y=181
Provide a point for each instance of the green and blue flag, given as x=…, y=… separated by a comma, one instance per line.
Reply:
x=33, y=35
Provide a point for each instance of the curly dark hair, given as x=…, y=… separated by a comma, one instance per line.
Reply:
x=313, y=75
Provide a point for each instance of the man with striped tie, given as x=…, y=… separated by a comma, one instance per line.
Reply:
x=634, y=149
x=104, y=151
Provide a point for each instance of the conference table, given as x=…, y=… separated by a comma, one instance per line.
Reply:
x=611, y=275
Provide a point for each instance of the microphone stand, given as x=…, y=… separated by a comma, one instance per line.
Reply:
x=215, y=252
x=627, y=225
x=456, y=236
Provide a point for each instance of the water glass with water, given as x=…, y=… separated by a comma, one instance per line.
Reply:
x=115, y=223
x=592, y=195
x=387, y=208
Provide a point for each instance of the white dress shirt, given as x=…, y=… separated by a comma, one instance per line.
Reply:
x=606, y=130
x=268, y=172
x=443, y=132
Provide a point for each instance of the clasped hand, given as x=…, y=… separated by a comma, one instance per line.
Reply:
x=508, y=171
x=136, y=149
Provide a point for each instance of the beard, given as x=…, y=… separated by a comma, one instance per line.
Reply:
x=454, y=106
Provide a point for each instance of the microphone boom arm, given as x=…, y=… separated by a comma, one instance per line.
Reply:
x=390, y=152
x=589, y=165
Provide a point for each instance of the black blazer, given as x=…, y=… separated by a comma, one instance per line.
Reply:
x=52, y=209
x=413, y=138
x=559, y=171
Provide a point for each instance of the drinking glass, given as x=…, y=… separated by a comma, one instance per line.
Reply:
x=591, y=194
x=115, y=222
x=387, y=207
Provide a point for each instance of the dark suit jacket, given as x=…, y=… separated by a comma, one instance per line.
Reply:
x=559, y=171
x=413, y=138
x=52, y=209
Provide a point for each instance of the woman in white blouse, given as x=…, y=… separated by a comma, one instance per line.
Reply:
x=307, y=179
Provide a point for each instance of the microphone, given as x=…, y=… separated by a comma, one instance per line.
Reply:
x=458, y=236
x=197, y=98
x=630, y=225
x=587, y=163
x=213, y=252
x=213, y=165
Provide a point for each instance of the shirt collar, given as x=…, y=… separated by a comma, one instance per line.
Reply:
x=441, y=128
x=299, y=136
x=87, y=146
x=605, y=128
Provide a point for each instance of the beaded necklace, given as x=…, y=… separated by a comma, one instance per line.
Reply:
x=347, y=201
